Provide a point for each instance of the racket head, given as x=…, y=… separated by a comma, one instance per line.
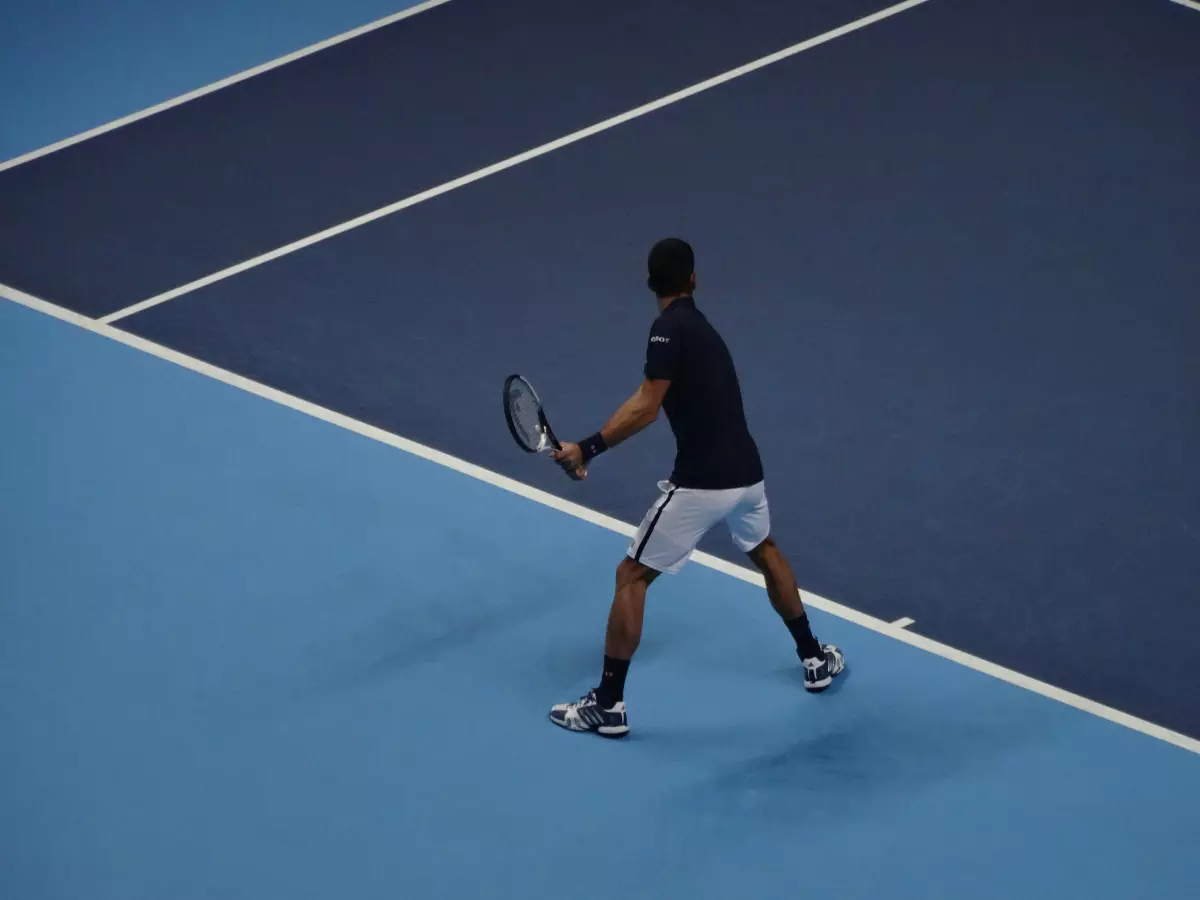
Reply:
x=525, y=416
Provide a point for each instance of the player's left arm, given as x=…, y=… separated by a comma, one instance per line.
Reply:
x=635, y=414
x=663, y=354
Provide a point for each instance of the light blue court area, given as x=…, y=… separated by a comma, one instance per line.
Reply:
x=67, y=66
x=246, y=654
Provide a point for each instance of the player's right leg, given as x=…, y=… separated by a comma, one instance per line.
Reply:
x=750, y=527
x=821, y=661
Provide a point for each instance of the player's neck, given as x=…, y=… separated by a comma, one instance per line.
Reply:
x=664, y=302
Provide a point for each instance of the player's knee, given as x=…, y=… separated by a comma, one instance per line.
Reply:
x=626, y=572
x=762, y=554
x=630, y=571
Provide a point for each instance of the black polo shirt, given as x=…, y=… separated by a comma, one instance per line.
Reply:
x=714, y=449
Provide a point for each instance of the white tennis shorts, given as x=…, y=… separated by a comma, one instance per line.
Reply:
x=677, y=521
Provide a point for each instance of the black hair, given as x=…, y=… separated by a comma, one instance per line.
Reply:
x=671, y=265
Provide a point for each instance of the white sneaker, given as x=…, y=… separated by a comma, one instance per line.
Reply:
x=819, y=672
x=587, y=714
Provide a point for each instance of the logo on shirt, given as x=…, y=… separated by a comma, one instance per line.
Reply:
x=658, y=339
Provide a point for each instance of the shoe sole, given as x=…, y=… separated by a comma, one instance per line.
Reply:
x=815, y=687
x=604, y=731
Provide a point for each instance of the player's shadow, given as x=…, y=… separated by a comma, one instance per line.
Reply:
x=848, y=765
x=418, y=631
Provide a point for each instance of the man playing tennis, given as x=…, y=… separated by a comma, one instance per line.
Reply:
x=718, y=476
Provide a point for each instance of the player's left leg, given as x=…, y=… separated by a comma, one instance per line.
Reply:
x=625, y=620
x=602, y=709
x=669, y=532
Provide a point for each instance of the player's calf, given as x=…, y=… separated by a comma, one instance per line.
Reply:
x=602, y=709
x=821, y=662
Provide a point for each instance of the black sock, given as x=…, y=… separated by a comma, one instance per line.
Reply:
x=612, y=682
x=807, y=645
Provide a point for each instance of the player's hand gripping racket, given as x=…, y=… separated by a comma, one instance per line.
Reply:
x=527, y=419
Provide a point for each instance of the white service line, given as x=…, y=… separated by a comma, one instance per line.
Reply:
x=903, y=622
x=224, y=82
x=1190, y=4
x=580, y=512
x=513, y=160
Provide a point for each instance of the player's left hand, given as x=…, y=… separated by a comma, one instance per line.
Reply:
x=570, y=458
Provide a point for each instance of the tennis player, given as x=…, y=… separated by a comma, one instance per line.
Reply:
x=718, y=476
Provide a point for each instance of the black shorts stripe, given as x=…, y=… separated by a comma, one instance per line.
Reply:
x=649, y=531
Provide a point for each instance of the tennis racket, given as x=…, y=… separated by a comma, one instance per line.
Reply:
x=526, y=418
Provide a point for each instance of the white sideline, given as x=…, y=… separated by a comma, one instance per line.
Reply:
x=527, y=155
x=217, y=85
x=892, y=630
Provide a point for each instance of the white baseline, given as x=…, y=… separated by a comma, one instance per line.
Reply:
x=224, y=82
x=542, y=150
x=580, y=512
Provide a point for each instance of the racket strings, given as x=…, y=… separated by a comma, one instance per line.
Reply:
x=525, y=411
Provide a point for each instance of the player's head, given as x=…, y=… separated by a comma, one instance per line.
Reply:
x=672, y=268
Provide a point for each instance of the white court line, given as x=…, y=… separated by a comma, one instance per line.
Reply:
x=1190, y=4
x=564, y=141
x=580, y=512
x=224, y=82
x=903, y=622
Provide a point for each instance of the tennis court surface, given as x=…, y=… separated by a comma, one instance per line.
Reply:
x=283, y=607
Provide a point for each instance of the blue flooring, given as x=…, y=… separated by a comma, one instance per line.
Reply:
x=956, y=287
x=248, y=654
x=67, y=66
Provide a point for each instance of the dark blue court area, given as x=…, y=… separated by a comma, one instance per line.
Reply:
x=246, y=653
